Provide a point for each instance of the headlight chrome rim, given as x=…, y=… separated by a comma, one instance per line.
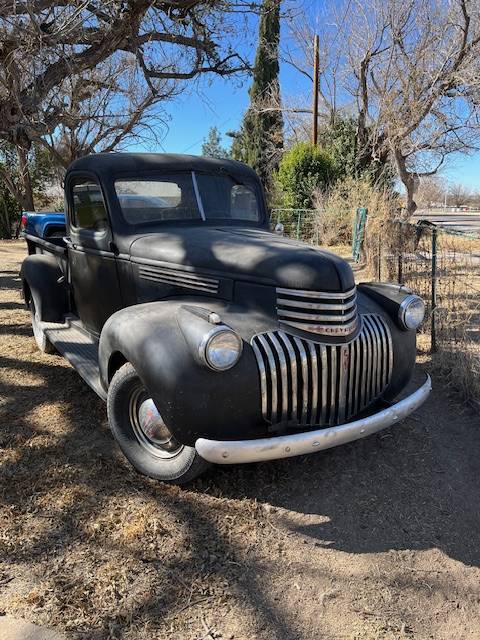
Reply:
x=206, y=342
x=403, y=310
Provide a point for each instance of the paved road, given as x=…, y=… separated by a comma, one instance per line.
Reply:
x=467, y=222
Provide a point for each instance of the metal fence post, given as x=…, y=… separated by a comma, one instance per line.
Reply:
x=298, y=224
x=433, y=329
x=379, y=258
x=358, y=235
x=400, y=253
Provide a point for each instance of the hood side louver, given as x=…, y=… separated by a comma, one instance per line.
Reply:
x=178, y=278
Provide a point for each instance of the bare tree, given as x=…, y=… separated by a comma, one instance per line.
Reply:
x=412, y=69
x=106, y=109
x=430, y=192
x=459, y=195
x=49, y=49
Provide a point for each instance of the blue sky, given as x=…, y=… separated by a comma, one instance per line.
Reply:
x=222, y=102
x=464, y=169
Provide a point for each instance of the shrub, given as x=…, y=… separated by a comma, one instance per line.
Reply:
x=303, y=169
x=336, y=209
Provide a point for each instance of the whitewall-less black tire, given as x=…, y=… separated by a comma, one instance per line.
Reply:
x=166, y=459
x=43, y=343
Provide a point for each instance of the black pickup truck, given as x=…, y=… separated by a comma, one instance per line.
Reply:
x=211, y=338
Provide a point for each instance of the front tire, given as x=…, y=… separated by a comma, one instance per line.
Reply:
x=43, y=343
x=152, y=450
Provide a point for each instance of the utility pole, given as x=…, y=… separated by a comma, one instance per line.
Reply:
x=315, y=90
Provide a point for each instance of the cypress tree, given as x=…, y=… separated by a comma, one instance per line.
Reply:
x=260, y=139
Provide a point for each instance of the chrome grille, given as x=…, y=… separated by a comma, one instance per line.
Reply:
x=311, y=383
x=318, y=311
x=177, y=278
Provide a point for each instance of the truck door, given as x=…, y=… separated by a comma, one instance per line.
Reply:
x=92, y=265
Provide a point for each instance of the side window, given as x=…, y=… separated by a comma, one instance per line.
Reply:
x=88, y=207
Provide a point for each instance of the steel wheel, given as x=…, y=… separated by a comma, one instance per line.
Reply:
x=142, y=434
x=149, y=427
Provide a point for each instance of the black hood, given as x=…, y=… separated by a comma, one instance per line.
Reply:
x=247, y=253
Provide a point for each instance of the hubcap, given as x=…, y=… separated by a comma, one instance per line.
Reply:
x=152, y=424
x=149, y=427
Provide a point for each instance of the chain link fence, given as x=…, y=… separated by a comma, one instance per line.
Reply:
x=442, y=266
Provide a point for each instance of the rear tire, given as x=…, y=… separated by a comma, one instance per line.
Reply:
x=43, y=343
x=169, y=461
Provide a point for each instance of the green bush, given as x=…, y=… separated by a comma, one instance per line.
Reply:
x=304, y=169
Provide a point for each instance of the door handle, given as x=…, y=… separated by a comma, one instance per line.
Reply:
x=68, y=242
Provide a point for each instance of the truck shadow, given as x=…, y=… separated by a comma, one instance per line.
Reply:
x=9, y=279
x=80, y=519
x=413, y=487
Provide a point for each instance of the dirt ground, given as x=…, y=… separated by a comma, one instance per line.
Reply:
x=379, y=539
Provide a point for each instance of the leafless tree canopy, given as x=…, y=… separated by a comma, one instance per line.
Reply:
x=431, y=191
x=104, y=109
x=84, y=75
x=459, y=195
x=44, y=44
x=409, y=69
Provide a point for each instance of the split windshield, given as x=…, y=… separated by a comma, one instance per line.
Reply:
x=188, y=196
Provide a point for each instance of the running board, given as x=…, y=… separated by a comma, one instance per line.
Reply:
x=80, y=349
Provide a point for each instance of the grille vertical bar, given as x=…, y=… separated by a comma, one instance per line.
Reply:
x=314, y=370
x=310, y=383
x=324, y=366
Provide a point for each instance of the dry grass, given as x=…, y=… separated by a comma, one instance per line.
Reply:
x=376, y=540
x=330, y=223
x=407, y=255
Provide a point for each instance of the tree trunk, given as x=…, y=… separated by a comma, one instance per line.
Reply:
x=25, y=179
x=407, y=179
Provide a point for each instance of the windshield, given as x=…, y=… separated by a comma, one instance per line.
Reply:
x=188, y=195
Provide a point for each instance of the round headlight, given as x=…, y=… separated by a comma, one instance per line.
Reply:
x=411, y=312
x=223, y=350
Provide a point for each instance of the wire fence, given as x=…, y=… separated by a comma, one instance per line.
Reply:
x=302, y=224
x=442, y=266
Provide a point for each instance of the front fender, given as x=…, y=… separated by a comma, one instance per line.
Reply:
x=193, y=400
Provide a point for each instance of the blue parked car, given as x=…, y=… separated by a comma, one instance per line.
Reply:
x=44, y=224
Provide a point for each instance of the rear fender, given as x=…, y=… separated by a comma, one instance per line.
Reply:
x=40, y=274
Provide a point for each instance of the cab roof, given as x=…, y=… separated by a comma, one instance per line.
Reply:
x=107, y=165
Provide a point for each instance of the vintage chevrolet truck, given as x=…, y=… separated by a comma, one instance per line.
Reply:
x=211, y=338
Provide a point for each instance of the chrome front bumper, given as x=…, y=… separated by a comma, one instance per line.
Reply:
x=241, y=451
